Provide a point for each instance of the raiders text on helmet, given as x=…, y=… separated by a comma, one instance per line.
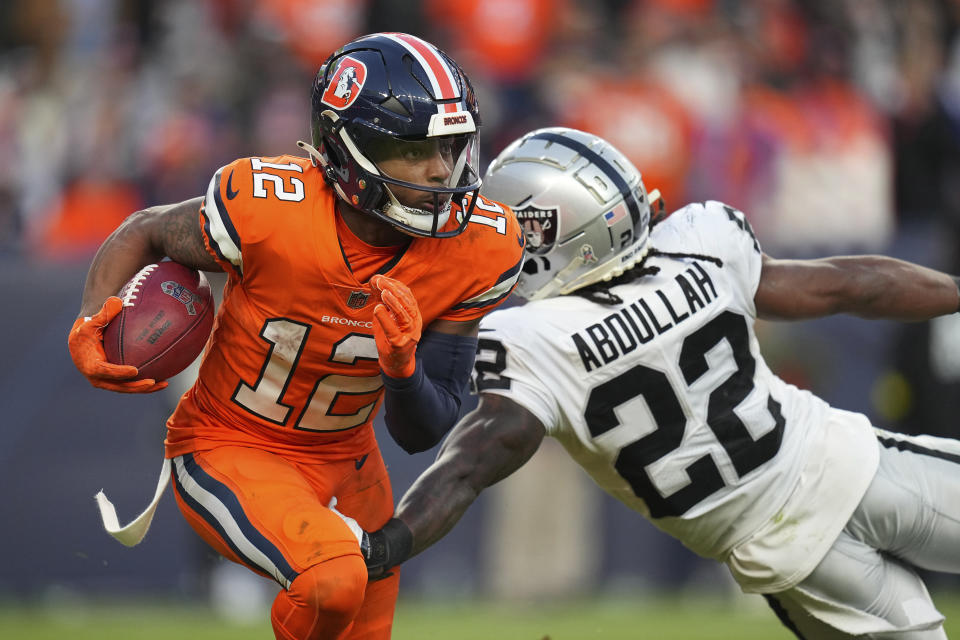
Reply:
x=393, y=95
x=581, y=203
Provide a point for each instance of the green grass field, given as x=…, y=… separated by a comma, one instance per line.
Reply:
x=641, y=618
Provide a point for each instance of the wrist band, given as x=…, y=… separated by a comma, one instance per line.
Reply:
x=389, y=546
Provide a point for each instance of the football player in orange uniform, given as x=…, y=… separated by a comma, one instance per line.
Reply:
x=356, y=276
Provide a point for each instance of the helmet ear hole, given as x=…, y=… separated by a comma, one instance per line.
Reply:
x=330, y=152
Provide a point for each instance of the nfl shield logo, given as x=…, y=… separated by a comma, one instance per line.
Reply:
x=357, y=299
x=540, y=227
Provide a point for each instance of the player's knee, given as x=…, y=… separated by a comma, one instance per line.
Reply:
x=332, y=588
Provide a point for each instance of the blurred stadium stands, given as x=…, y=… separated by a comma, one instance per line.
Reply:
x=833, y=124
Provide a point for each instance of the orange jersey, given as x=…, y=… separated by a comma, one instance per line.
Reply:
x=291, y=365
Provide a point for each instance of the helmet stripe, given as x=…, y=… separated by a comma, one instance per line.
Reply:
x=608, y=169
x=441, y=77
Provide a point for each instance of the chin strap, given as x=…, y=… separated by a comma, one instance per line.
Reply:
x=312, y=153
x=412, y=216
x=318, y=161
x=612, y=268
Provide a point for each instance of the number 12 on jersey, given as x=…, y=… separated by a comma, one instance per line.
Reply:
x=498, y=221
x=322, y=412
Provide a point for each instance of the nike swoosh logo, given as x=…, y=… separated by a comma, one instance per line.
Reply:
x=359, y=461
x=231, y=194
x=519, y=235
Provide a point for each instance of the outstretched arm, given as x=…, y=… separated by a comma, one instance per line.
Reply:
x=487, y=445
x=865, y=286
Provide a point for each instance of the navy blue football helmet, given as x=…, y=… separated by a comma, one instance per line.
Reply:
x=390, y=95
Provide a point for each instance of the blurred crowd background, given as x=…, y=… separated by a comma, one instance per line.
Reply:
x=833, y=124
x=828, y=122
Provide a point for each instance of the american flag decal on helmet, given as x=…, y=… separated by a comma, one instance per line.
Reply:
x=616, y=214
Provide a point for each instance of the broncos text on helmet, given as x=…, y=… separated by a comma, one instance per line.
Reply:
x=393, y=95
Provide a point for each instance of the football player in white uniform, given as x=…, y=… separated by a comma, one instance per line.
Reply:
x=637, y=351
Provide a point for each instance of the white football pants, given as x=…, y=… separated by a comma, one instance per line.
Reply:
x=867, y=586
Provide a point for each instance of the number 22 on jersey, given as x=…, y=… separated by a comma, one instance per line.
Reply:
x=745, y=453
x=725, y=399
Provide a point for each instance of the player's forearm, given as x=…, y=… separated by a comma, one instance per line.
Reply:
x=434, y=505
x=488, y=445
x=882, y=287
x=420, y=410
x=120, y=256
x=865, y=286
x=169, y=230
x=426, y=513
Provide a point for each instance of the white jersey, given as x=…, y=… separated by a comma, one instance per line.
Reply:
x=666, y=401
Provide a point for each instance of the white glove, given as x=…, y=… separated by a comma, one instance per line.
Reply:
x=384, y=548
x=354, y=527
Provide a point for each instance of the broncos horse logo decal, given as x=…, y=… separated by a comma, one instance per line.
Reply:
x=345, y=83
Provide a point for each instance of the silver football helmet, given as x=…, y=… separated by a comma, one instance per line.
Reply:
x=581, y=203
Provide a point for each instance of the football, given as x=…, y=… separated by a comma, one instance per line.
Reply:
x=165, y=321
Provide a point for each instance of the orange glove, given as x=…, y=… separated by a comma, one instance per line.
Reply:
x=86, y=348
x=396, y=327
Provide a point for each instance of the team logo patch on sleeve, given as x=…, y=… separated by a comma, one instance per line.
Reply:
x=345, y=84
x=539, y=226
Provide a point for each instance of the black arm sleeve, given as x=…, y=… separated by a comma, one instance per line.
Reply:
x=421, y=409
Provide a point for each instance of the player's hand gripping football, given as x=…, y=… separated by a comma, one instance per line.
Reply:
x=397, y=325
x=86, y=348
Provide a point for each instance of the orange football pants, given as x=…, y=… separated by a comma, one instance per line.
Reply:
x=270, y=514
